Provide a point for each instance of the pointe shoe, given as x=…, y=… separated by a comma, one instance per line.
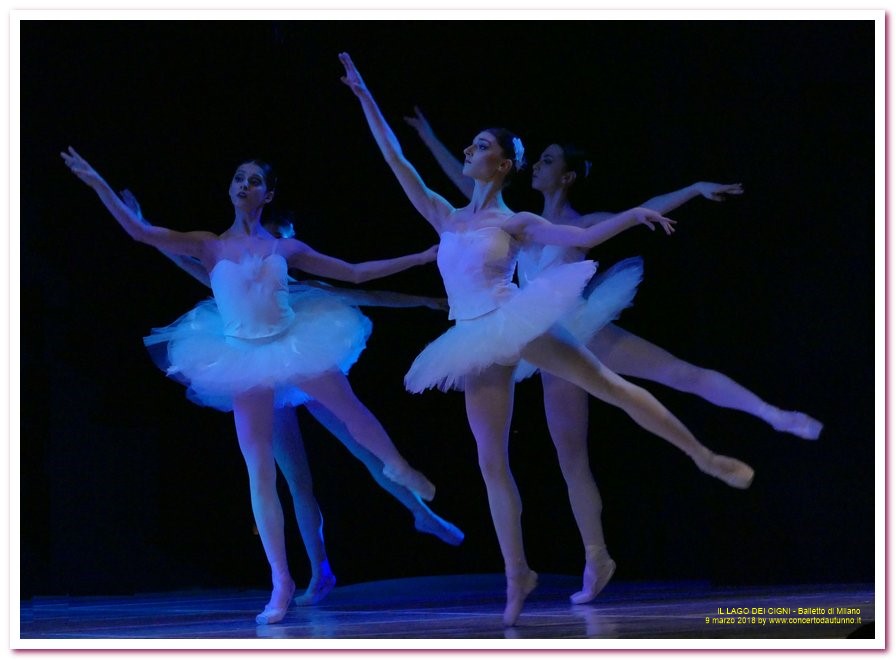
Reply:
x=599, y=568
x=733, y=472
x=317, y=590
x=518, y=588
x=430, y=523
x=414, y=481
x=275, y=613
x=798, y=424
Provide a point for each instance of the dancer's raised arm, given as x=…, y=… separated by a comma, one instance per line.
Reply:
x=302, y=256
x=450, y=164
x=431, y=206
x=193, y=243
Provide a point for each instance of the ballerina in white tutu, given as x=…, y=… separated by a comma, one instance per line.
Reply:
x=560, y=168
x=497, y=324
x=255, y=347
x=289, y=450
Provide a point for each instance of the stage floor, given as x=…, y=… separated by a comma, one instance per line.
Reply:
x=462, y=607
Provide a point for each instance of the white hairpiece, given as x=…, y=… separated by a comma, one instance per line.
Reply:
x=287, y=231
x=518, y=152
x=587, y=168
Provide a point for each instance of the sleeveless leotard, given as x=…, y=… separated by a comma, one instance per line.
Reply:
x=494, y=319
x=254, y=333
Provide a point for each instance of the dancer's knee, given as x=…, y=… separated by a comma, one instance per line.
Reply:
x=494, y=468
x=572, y=455
x=262, y=480
x=300, y=490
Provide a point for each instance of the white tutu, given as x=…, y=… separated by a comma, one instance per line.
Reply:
x=604, y=299
x=498, y=336
x=325, y=334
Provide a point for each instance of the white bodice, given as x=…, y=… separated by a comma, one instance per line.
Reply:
x=252, y=295
x=477, y=269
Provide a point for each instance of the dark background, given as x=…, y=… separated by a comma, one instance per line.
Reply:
x=126, y=486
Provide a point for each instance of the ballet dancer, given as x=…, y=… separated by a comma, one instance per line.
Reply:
x=556, y=174
x=289, y=450
x=253, y=347
x=497, y=324
x=560, y=168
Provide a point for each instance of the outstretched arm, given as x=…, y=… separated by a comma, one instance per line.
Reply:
x=193, y=244
x=451, y=166
x=534, y=228
x=364, y=298
x=717, y=192
x=190, y=265
x=431, y=206
x=301, y=256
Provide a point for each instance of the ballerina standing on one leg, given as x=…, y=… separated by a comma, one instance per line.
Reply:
x=498, y=324
x=254, y=347
x=561, y=170
x=289, y=451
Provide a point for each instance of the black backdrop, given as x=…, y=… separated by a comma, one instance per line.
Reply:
x=127, y=486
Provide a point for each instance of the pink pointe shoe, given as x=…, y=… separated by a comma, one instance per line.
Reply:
x=599, y=568
x=518, y=588
x=275, y=610
x=733, y=472
x=414, y=481
x=317, y=590
x=430, y=523
x=798, y=424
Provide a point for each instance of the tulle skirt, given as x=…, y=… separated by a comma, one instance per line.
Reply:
x=604, y=299
x=325, y=334
x=498, y=336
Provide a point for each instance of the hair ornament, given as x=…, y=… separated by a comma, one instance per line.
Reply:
x=587, y=168
x=287, y=230
x=518, y=152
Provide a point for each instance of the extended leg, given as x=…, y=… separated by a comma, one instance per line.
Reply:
x=575, y=364
x=253, y=415
x=566, y=408
x=425, y=520
x=489, y=401
x=630, y=355
x=333, y=391
x=289, y=452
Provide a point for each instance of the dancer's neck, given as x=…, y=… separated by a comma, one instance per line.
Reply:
x=557, y=206
x=247, y=223
x=487, y=195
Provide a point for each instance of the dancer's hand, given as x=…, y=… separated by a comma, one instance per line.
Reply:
x=81, y=168
x=131, y=202
x=651, y=219
x=718, y=192
x=352, y=78
x=420, y=123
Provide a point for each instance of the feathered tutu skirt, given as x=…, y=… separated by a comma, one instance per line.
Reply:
x=324, y=335
x=603, y=300
x=498, y=336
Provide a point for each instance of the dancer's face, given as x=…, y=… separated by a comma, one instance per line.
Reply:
x=248, y=188
x=484, y=159
x=549, y=172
